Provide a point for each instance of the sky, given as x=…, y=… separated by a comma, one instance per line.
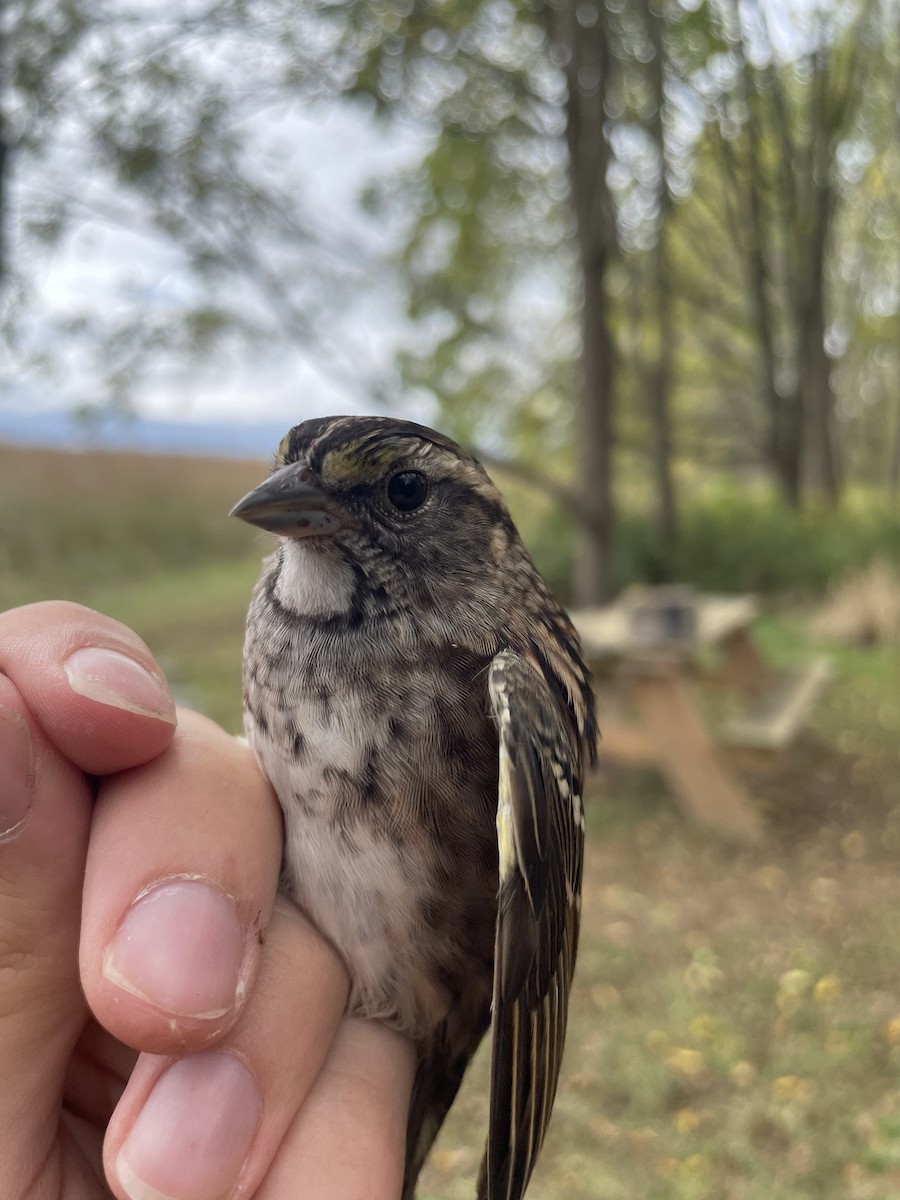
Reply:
x=344, y=149
x=338, y=149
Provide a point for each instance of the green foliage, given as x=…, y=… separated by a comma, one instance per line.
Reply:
x=742, y=539
x=549, y=538
x=732, y=539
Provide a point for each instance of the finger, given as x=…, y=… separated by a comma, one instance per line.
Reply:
x=348, y=1141
x=91, y=683
x=98, y=1070
x=191, y=1129
x=181, y=877
x=45, y=803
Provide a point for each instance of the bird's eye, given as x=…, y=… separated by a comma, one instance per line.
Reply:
x=408, y=490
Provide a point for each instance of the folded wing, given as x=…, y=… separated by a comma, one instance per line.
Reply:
x=540, y=830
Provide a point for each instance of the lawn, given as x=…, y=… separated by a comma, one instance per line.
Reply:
x=735, y=1026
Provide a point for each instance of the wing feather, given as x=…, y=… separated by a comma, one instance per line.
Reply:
x=540, y=834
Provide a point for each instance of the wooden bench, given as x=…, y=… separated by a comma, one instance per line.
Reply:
x=649, y=714
x=773, y=721
x=658, y=723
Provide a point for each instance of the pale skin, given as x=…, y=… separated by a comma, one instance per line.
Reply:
x=168, y=1028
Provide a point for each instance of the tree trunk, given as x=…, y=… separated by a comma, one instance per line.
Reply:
x=787, y=444
x=593, y=563
x=587, y=73
x=819, y=458
x=661, y=376
x=785, y=433
x=814, y=366
x=788, y=173
x=660, y=398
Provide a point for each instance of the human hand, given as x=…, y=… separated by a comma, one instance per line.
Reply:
x=163, y=1017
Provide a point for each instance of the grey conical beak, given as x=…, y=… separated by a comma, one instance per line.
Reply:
x=287, y=503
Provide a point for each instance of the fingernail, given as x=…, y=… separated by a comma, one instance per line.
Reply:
x=112, y=678
x=180, y=948
x=194, y=1132
x=16, y=772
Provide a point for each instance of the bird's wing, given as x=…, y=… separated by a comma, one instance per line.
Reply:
x=540, y=828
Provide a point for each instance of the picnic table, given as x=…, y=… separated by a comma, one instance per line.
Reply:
x=649, y=651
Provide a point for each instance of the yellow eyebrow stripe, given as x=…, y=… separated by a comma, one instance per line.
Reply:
x=345, y=462
x=282, y=452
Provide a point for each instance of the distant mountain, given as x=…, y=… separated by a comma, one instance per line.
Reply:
x=58, y=428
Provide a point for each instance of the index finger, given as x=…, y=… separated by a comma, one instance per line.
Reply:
x=90, y=682
x=180, y=881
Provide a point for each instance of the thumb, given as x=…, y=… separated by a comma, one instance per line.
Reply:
x=45, y=807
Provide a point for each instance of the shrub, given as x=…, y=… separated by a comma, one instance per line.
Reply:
x=733, y=539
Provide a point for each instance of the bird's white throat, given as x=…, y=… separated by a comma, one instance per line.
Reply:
x=313, y=582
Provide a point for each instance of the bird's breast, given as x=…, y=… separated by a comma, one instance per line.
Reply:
x=387, y=783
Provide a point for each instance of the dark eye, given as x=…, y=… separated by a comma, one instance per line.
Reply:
x=408, y=490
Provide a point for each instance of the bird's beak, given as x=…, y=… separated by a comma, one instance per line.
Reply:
x=287, y=503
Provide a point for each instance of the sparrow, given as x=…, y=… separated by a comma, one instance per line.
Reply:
x=421, y=705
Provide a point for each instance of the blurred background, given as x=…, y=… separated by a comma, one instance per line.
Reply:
x=644, y=257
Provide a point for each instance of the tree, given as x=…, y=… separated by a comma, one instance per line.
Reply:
x=163, y=134
x=659, y=385
x=519, y=96
x=581, y=37
x=867, y=262
x=635, y=228
x=781, y=119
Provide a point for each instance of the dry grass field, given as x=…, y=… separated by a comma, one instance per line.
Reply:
x=145, y=539
x=735, y=1029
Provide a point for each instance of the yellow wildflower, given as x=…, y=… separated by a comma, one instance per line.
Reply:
x=686, y=1061
x=695, y=1164
x=742, y=1074
x=827, y=989
x=686, y=1120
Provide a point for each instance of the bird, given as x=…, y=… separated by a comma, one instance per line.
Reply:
x=421, y=705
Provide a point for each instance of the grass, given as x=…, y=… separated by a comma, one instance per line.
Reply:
x=193, y=620
x=74, y=523
x=735, y=1025
x=143, y=539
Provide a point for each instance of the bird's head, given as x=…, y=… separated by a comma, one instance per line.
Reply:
x=404, y=506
